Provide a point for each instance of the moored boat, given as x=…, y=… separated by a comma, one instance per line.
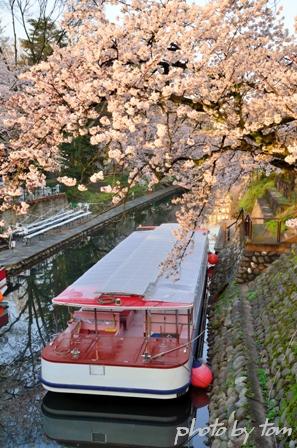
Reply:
x=4, y=317
x=134, y=331
x=3, y=281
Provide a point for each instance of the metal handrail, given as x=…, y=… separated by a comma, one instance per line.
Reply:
x=277, y=220
x=228, y=228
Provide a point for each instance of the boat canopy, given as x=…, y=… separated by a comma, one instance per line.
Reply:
x=129, y=276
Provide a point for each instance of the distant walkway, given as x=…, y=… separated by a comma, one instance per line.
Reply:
x=16, y=260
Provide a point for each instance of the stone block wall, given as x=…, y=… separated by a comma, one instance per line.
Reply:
x=273, y=298
x=228, y=358
x=253, y=355
x=252, y=263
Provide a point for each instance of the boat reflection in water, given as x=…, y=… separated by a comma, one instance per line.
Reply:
x=121, y=422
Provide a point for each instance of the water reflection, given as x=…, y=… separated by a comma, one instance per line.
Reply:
x=121, y=422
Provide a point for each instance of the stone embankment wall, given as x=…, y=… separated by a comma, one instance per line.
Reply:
x=273, y=297
x=253, y=354
x=224, y=271
x=252, y=263
x=227, y=354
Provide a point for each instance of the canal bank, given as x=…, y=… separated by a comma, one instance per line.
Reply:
x=22, y=256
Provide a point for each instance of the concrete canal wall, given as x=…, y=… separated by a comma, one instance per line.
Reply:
x=44, y=206
x=23, y=256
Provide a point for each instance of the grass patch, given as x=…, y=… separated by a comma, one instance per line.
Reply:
x=256, y=190
x=289, y=407
x=251, y=295
x=262, y=377
x=289, y=213
x=99, y=200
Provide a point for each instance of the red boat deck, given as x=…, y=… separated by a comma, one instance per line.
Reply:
x=120, y=341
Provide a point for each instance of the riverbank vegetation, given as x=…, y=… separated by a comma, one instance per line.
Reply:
x=256, y=189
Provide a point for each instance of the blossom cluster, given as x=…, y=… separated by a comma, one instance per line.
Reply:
x=198, y=94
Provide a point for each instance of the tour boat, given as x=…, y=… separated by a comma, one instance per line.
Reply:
x=3, y=281
x=4, y=317
x=135, y=328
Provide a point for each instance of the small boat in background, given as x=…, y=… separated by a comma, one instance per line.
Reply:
x=3, y=281
x=4, y=316
x=134, y=332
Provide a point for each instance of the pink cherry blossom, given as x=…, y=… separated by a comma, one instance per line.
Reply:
x=198, y=94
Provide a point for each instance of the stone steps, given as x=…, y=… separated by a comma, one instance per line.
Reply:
x=277, y=202
x=261, y=211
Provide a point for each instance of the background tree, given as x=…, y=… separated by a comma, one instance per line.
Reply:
x=42, y=35
x=80, y=160
x=38, y=21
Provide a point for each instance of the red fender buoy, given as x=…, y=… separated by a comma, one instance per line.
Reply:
x=213, y=259
x=201, y=375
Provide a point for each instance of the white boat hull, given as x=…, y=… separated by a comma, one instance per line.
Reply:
x=164, y=383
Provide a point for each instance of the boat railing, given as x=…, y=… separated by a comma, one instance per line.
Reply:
x=174, y=324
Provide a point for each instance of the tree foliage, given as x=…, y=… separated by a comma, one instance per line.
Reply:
x=203, y=94
x=80, y=160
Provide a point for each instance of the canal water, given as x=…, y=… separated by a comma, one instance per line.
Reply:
x=32, y=418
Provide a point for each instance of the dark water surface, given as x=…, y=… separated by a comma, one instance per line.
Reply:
x=31, y=418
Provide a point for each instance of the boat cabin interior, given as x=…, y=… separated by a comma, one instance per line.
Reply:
x=130, y=337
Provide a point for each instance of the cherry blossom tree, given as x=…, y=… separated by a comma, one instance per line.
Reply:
x=199, y=94
x=8, y=86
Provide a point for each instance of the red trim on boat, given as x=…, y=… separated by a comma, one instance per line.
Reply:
x=117, y=301
x=2, y=274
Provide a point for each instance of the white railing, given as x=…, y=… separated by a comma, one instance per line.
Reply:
x=39, y=193
x=42, y=226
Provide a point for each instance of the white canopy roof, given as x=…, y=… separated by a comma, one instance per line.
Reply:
x=133, y=267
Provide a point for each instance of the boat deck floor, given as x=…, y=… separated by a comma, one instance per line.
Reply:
x=117, y=342
x=116, y=350
x=120, y=340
